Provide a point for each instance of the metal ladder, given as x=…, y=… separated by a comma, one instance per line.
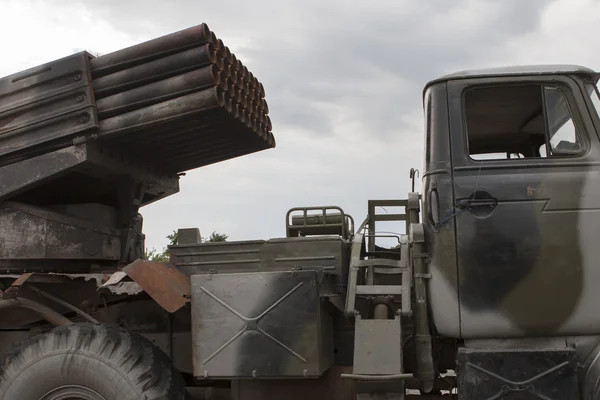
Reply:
x=378, y=355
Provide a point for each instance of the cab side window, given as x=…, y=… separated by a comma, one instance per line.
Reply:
x=520, y=122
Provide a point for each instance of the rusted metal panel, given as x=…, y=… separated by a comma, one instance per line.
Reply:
x=162, y=281
x=114, y=283
x=153, y=49
x=20, y=281
x=13, y=291
x=156, y=92
x=154, y=71
x=28, y=232
x=59, y=129
x=46, y=104
x=42, y=110
x=43, y=82
x=23, y=175
x=162, y=112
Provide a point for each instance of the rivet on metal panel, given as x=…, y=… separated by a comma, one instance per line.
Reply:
x=84, y=118
x=77, y=77
x=79, y=99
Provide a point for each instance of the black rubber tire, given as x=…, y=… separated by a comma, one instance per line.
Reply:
x=105, y=360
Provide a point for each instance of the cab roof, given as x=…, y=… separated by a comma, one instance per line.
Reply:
x=518, y=70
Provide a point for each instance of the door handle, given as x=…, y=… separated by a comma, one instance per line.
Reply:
x=480, y=204
x=433, y=219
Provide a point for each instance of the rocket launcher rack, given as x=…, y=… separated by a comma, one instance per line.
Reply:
x=174, y=103
x=85, y=142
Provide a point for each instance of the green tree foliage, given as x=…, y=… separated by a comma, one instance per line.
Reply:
x=163, y=256
x=216, y=237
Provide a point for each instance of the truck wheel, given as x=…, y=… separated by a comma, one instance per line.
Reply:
x=89, y=362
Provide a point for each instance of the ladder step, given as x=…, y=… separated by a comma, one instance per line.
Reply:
x=379, y=290
x=380, y=262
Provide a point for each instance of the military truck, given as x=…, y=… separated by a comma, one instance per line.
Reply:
x=490, y=292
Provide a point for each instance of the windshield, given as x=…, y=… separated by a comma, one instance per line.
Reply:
x=592, y=91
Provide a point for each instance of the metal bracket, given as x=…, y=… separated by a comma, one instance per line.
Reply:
x=13, y=291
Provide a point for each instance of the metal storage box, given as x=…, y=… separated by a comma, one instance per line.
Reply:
x=259, y=325
x=327, y=252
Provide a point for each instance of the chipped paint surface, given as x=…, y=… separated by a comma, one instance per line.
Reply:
x=114, y=283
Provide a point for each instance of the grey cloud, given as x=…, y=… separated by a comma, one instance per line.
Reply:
x=343, y=52
x=343, y=82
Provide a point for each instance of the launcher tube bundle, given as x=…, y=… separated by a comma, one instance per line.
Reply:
x=184, y=99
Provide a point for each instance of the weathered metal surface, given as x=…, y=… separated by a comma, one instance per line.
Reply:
x=45, y=106
x=330, y=220
x=112, y=282
x=157, y=70
x=29, y=232
x=153, y=49
x=163, y=112
x=262, y=324
x=46, y=109
x=23, y=175
x=116, y=285
x=377, y=348
x=36, y=85
x=55, y=132
x=517, y=71
x=513, y=374
x=189, y=236
x=65, y=304
x=159, y=91
x=163, y=282
x=45, y=312
x=327, y=387
x=13, y=291
x=328, y=254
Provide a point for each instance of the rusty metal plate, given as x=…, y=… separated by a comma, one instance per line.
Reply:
x=13, y=290
x=163, y=282
x=48, y=109
x=59, y=127
x=44, y=81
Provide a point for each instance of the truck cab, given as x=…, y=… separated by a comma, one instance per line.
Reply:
x=511, y=200
x=511, y=189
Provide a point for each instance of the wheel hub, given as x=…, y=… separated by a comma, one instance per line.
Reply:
x=72, y=392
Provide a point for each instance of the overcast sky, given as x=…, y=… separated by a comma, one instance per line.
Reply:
x=343, y=82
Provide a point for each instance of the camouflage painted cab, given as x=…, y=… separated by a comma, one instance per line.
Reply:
x=511, y=193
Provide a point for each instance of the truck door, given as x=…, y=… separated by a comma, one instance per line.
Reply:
x=526, y=168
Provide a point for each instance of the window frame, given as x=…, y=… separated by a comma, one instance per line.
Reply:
x=548, y=143
x=594, y=112
x=564, y=88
